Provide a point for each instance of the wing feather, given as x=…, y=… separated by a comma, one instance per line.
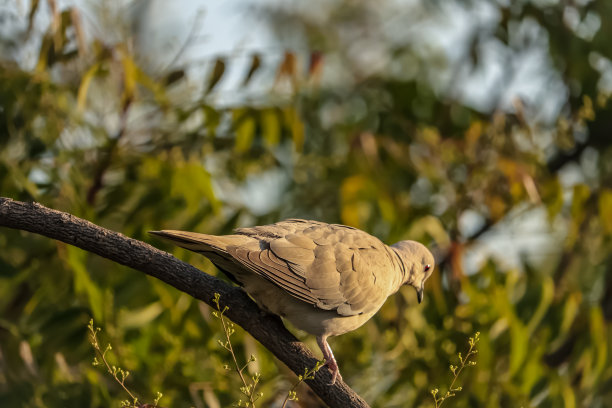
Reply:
x=332, y=267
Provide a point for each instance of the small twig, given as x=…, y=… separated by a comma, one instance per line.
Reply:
x=115, y=371
x=456, y=370
x=228, y=329
x=308, y=375
x=112, y=370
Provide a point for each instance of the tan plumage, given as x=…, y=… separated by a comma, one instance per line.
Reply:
x=326, y=279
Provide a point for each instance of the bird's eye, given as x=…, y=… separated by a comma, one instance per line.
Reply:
x=427, y=267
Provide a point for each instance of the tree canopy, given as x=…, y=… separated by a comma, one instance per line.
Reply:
x=481, y=129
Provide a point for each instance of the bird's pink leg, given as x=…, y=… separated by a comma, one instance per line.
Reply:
x=328, y=355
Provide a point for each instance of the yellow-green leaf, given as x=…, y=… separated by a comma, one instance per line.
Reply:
x=134, y=318
x=270, y=127
x=245, y=131
x=193, y=183
x=548, y=292
x=83, y=284
x=579, y=198
x=130, y=75
x=297, y=128
x=84, y=87
x=605, y=210
x=600, y=341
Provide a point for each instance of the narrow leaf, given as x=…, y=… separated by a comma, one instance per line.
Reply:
x=216, y=74
x=288, y=67
x=245, y=132
x=315, y=66
x=270, y=127
x=605, y=210
x=255, y=65
x=297, y=128
x=84, y=87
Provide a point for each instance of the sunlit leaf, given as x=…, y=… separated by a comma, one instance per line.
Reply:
x=84, y=87
x=546, y=298
x=600, y=339
x=245, y=130
x=76, y=259
x=580, y=194
x=569, y=398
x=605, y=210
x=353, y=209
x=270, y=123
x=191, y=182
x=570, y=311
x=134, y=318
x=297, y=128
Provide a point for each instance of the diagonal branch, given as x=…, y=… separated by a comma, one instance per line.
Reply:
x=267, y=329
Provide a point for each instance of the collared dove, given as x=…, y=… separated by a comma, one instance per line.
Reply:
x=326, y=279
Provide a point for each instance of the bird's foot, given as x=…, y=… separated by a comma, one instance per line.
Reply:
x=335, y=371
x=330, y=360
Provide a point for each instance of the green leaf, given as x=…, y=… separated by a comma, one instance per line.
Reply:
x=255, y=64
x=134, y=318
x=600, y=340
x=83, y=284
x=84, y=87
x=579, y=198
x=270, y=127
x=548, y=292
x=297, y=128
x=245, y=130
x=193, y=183
x=216, y=74
x=605, y=210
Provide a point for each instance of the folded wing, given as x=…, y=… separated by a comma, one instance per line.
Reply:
x=332, y=267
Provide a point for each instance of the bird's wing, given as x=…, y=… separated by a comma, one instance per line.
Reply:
x=237, y=254
x=333, y=267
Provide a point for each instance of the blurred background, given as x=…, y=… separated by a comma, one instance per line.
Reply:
x=481, y=128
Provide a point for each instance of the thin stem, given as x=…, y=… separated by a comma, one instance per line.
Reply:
x=456, y=371
x=228, y=330
x=237, y=367
x=308, y=375
x=112, y=371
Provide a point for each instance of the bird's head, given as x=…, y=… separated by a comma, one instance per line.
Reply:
x=417, y=264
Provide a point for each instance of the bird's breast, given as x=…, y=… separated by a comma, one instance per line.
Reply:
x=302, y=315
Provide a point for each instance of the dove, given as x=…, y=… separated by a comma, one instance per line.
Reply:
x=326, y=279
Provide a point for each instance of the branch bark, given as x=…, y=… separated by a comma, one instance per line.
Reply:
x=267, y=329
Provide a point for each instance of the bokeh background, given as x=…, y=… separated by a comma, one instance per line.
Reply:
x=480, y=128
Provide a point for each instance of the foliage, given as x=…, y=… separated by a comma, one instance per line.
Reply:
x=248, y=389
x=382, y=131
x=439, y=399
x=118, y=373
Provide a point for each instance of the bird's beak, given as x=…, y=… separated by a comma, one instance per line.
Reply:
x=420, y=294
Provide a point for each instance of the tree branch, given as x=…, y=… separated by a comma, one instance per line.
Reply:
x=267, y=329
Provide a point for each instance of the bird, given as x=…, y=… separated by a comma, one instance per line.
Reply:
x=326, y=279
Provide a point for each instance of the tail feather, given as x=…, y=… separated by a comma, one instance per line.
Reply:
x=211, y=246
x=193, y=241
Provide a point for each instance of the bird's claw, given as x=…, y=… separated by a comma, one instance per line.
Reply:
x=335, y=371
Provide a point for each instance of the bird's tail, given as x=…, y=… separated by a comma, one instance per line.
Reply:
x=193, y=241
x=211, y=246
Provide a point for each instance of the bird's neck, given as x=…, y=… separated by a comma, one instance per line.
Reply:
x=404, y=267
